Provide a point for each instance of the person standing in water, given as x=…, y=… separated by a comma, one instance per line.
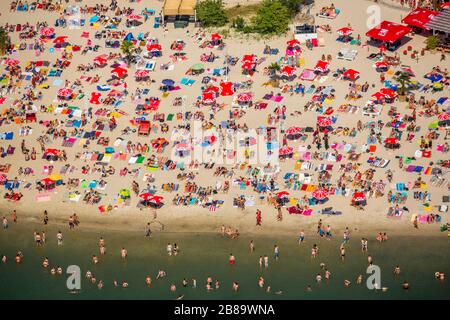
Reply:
x=123, y=253
x=258, y=217
x=252, y=246
x=301, y=237
x=59, y=237
x=276, y=252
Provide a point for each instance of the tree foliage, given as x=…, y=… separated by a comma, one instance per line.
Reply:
x=293, y=6
x=127, y=48
x=404, y=78
x=5, y=41
x=271, y=18
x=211, y=13
x=432, y=42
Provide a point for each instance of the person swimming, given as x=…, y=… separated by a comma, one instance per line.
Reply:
x=88, y=274
x=100, y=285
x=53, y=271
x=397, y=270
x=261, y=282
x=45, y=263
x=94, y=259
x=59, y=270
x=148, y=280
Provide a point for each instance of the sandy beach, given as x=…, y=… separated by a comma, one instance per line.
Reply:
x=194, y=218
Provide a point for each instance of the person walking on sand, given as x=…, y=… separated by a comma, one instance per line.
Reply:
x=5, y=223
x=416, y=223
x=258, y=217
x=301, y=237
x=14, y=216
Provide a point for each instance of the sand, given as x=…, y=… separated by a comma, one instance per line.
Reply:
x=195, y=219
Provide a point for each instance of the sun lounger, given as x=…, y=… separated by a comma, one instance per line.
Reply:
x=347, y=54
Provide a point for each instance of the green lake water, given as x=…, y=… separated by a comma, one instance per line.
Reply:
x=203, y=255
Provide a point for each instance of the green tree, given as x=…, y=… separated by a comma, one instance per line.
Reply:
x=432, y=42
x=127, y=48
x=5, y=41
x=293, y=6
x=211, y=13
x=238, y=23
x=404, y=78
x=271, y=18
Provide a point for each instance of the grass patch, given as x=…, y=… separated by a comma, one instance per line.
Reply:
x=242, y=10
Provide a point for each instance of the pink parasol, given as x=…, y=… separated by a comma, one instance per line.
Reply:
x=142, y=73
x=320, y=194
x=64, y=92
x=444, y=116
x=294, y=130
x=284, y=151
x=245, y=97
x=11, y=62
x=47, y=31
x=324, y=121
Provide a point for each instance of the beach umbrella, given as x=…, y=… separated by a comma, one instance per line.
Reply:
x=391, y=141
x=198, y=67
x=351, y=74
x=94, y=19
x=142, y=74
x=248, y=65
x=64, y=92
x=388, y=93
x=320, y=194
x=155, y=47
x=438, y=86
x=381, y=65
x=245, y=97
x=226, y=89
x=60, y=40
x=47, y=31
x=145, y=196
x=286, y=151
x=115, y=93
x=168, y=82
x=321, y=66
x=359, y=197
x=293, y=43
x=444, y=116
x=47, y=182
x=124, y=193
x=134, y=17
x=282, y=194
x=293, y=133
x=433, y=125
x=215, y=37
x=324, y=121
x=55, y=177
x=346, y=31
x=100, y=60
x=119, y=72
x=212, y=89
x=51, y=152
x=208, y=97
x=378, y=96
x=288, y=71
x=248, y=58
x=10, y=62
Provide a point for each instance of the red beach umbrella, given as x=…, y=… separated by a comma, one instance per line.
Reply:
x=324, y=121
x=346, y=31
x=388, y=93
x=155, y=47
x=208, y=97
x=321, y=66
x=142, y=73
x=285, y=151
x=293, y=43
x=282, y=194
x=64, y=92
x=60, y=40
x=47, y=31
x=10, y=62
x=215, y=37
x=288, y=71
x=381, y=64
x=226, y=89
x=351, y=74
x=119, y=72
x=444, y=116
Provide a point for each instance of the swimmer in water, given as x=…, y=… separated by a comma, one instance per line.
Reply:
x=369, y=259
x=308, y=288
x=266, y=261
x=100, y=285
x=184, y=282
x=45, y=263
x=94, y=259
x=59, y=270
x=279, y=292
x=88, y=274
x=347, y=283
x=397, y=270
x=319, y=278
x=161, y=274
x=252, y=246
x=4, y=259
x=123, y=253
x=232, y=259
x=115, y=283
x=405, y=285
x=260, y=261
x=261, y=282
x=235, y=286
x=269, y=289
x=148, y=280
x=216, y=284
x=18, y=259
x=169, y=249
x=59, y=237
x=53, y=271
x=93, y=280
x=124, y=284
x=322, y=266
x=102, y=250
x=173, y=288
x=359, y=280
x=327, y=274
x=342, y=248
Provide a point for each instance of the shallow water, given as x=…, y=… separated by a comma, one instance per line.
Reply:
x=203, y=255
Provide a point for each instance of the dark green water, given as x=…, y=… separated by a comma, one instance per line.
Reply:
x=203, y=255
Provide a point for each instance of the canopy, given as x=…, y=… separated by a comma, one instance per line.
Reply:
x=47, y=182
x=359, y=196
x=419, y=18
x=170, y=7
x=100, y=60
x=208, y=97
x=293, y=43
x=119, y=72
x=388, y=93
x=187, y=7
x=381, y=64
x=282, y=194
x=388, y=31
x=248, y=58
x=377, y=96
x=60, y=40
x=441, y=22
